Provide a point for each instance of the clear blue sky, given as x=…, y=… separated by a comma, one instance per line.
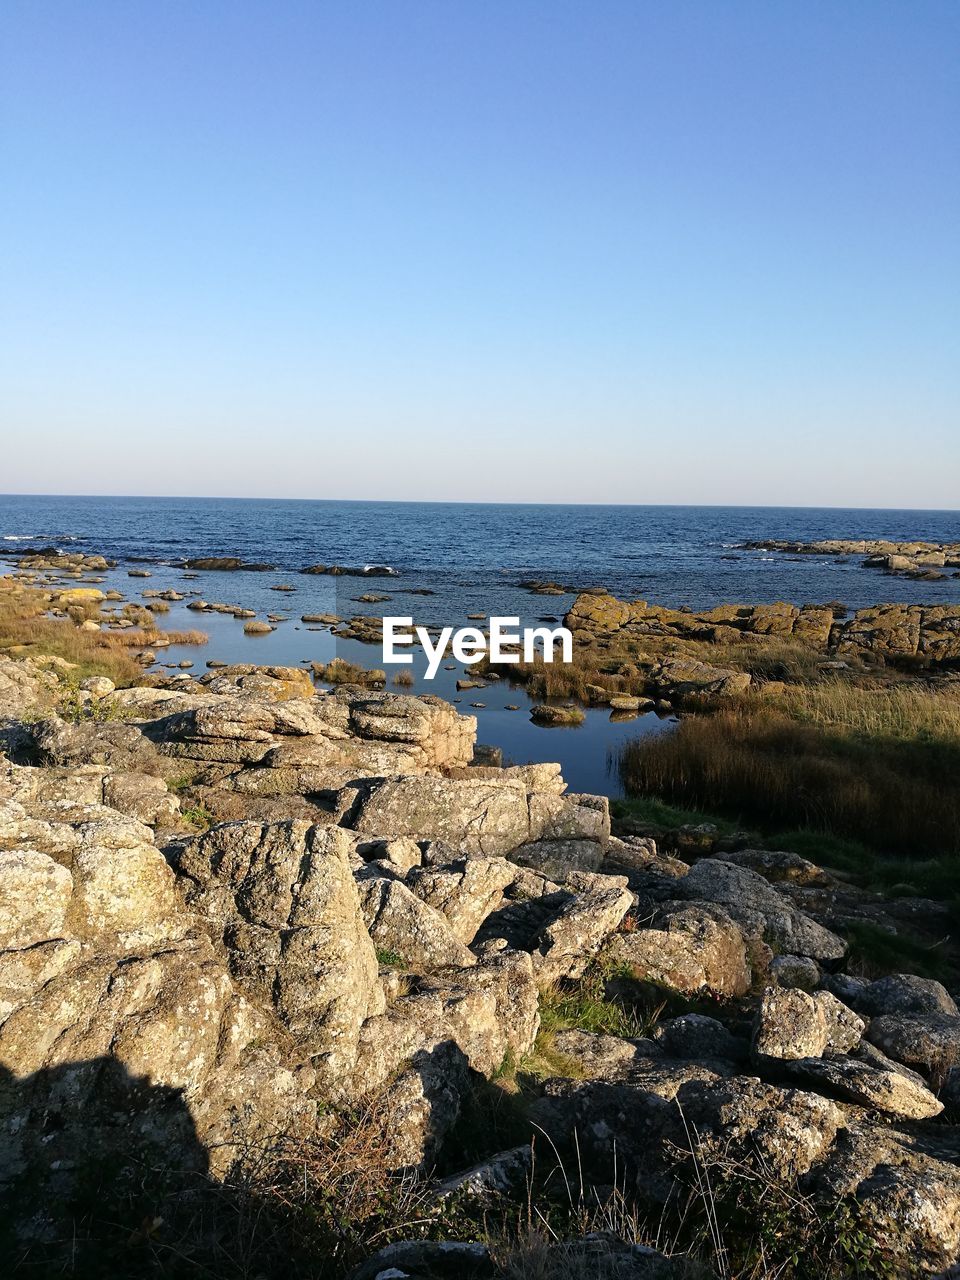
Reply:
x=639, y=252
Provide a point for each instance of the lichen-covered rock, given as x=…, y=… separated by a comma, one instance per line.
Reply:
x=569, y=941
x=794, y=1024
x=482, y=816
x=680, y=678
x=694, y=1035
x=121, y=746
x=465, y=891
x=283, y=899
x=35, y=895
x=928, y=1042
x=754, y=903
x=905, y=993
x=556, y=857
x=689, y=947
x=401, y=922
x=487, y=1011
x=870, y=1081
x=24, y=686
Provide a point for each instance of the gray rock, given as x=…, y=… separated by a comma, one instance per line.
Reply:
x=689, y=947
x=879, y=1085
x=791, y=1024
x=283, y=899
x=907, y=994
x=929, y=1042
x=399, y=921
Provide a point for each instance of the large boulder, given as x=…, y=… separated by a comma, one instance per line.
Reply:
x=760, y=909
x=282, y=898
x=483, y=816
x=122, y=1034
x=689, y=947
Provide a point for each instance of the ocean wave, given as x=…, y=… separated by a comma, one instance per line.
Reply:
x=21, y=537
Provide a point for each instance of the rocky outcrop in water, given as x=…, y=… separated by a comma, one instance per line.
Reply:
x=892, y=632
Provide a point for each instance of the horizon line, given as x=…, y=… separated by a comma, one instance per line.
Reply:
x=475, y=502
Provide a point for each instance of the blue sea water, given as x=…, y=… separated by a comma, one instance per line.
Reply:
x=472, y=558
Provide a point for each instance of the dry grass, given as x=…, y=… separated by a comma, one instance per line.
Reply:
x=26, y=631
x=899, y=712
x=881, y=767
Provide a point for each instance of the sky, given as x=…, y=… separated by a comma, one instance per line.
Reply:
x=680, y=251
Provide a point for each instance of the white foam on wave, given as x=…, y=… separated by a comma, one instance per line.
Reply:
x=20, y=537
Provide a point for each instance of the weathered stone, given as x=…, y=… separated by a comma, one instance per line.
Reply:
x=878, y=1085
x=576, y=933
x=748, y=898
x=465, y=891
x=35, y=894
x=476, y=817
x=905, y=993
x=282, y=897
x=399, y=921
x=929, y=1042
x=689, y=948
x=793, y=1024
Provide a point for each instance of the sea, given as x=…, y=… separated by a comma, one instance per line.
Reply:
x=450, y=560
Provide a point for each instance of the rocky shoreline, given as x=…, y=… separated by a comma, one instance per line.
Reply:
x=910, y=559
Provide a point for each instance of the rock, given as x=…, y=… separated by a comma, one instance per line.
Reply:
x=283, y=899
x=465, y=891
x=601, y=1057
x=693, y=1035
x=122, y=886
x=555, y=858
x=496, y=1176
x=257, y=628
x=681, y=678
x=569, y=941
x=477, y=817
x=751, y=900
x=553, y=716
x=877, y=1085
x=122, y=746
x=226, y=564
x=23, y=686
x=795, y=971
x=627, y=702
x=649, y=1116
x=487, y=1011
x=778, y=867
x=400, y=922
x=907, y=1194
x=141, y=796
x=427, y=1259
x=929, y=1042
x=791, y=1024
x=35, y=895
x=907, y=994
x=689, y=948
x=99, y=686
